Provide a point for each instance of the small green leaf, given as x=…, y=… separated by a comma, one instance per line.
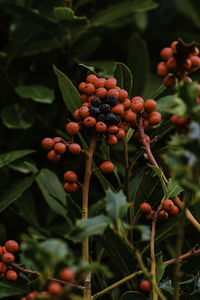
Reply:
x=167, y=287
x=144, y=231
x=158, y=172
x=89, y=227
x=7, y=158
x=66, y=14
x=17, y=116
x=37, y=93
x=70, y=94
x=116, y=204
x=8, y=289
x=160, y=267
x=123, y=76
x=15, y=192
x=56, y=248
x=173, y=188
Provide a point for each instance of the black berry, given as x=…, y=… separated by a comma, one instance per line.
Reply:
x=105, y=108
x=111, y=100
x=95, y=101
x=94, y=111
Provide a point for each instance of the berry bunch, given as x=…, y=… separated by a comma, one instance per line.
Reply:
x=181, y=123
x=71, y=185
x=6, y=259
x=178, y=60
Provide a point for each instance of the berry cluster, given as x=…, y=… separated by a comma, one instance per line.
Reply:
x=71, y=185
x=6, y=259
x=181, y=123
x=168, y=208
x=178, y=61
x=53, y=288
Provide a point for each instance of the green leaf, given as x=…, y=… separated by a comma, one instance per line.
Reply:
x=132, y=295
x=8, y=289
x=167, y=287
x=186, y=7
x=66, y=14
x=37, y=93
x=138, y=62
x=158, y=172
x=15, y=192
x=116, y=204
x=123, y=76
x=173, y=188
x=121, y=10
x=17, y=116
x=7, y=158
x=89, y=227
x=160, y=267
x=70, y=94
x=145, y=232
x=55, y=246
x=164, y=103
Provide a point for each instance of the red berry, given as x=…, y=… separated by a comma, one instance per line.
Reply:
x=137, y=104
x=124, y=126
x=169, y=81
x=89, y=89
x=47, y=143
x=70, y=187
x=55, y=288
x=84, y=112
x=1, y=251
x=3, y=267
x=126, y=103
x=171, y=63
x=163, y=215
x=166, y=53
x=74, y=148
x=173, y=45
x=167, y=204
x=101, y=93
x=111, y=140
x=111, y=83
x=83, y=98
x=100, y=127
x=145, y=207
x=188, y=64
x=107, y=167
x=57, y=139
x=174, y=119
x=130, y=116
x=59, y=148
x=150, y=105
x=118, y=109
x=174, y=212
x=70, y=176
x=113, y=92
x=150, y=215
x=52, y=156
x=155, y=118
x=162, y=69
x=195, y=61
x=100, y=83
x=67, y=274
x=122, y=95
x=12, y=246
x=121, y=134
x=113, y=129
x=72, y=128
x=8, y=258
x=89, y=122
x=91, y=78
x=145, y=286
x=76, y=115
x=81, y=86
x=11, y=275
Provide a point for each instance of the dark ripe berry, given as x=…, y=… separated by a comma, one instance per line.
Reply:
x=167, y=204
x=89, y=89
x=95, y=101
x=52, y=156
x=8, y=258
x=150, y=215
x=90, y=98
x=70, y=187
x=81, y=86
x=122, y=95
x=173, y=45
x=72, y=128
x=163, y=215
x=94, y=111
x=174, y=212
x=101, y=118
x=55, y=288
x=47, y=143
x=145, y=207
x=3, y=267
x=12, y=246
x=162, y=69
x=105, y=108
x=121, y=134
x=130, y=116
x=112, y=119
x=84, y=112
x=70, y=176
x=74, y=148
x=83, y=98
x=76, y=115
x=11, y=275
x=118, y=109
x=59, y=148
x=100, y=83
x=137, y=104
x=145, y=286
x=155, y=118
x=111, y=100
x=150, y=105
x=188, y=64
x=89, y=122
x=171, y=63
x=111, y=140
x=91, y=78
x=126, y=103
x=169, y=81
x=67, y=274
x=195, y=61
x=166, y=53
x=100, y=127
x=107, y=167
x=113, y=92
x=101, y=93
x=113, y=129
x=111, y=83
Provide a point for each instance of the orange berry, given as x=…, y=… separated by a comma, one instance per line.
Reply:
x=111, y=83
x=171, y=63
x=130, y=116
x=76, y=115
x=89, y=122
x=11, y=246
x=47, y=143
x=113, y=92
x=118, y=110
x=55, y=288
x=124, y=126
x=74, y=148
x=67, y=274
x=195, y=61
x=3, y=267
x=59, y=148
x=1, y=251
x=70, y=176
x=8, y=258
x=137, y=104
x=113, y=129
x=145, y=286
x=91, y=78
x=155, y=118
x=145, y=207
x=174, y=212
x=126, y=103
x=166, y=53
x=163, y=215
x=100, y=127
x=111, y=140
x=122, y=95
x=84, y=112
x=70, y=187
x=121, y=134
x=169, y=81
x=81, y=86
x=101, y=92
x=87, y=104
x=167, y=204
x=57, y=139
x=188, y=64
x=150, y=105
x=107, y=167
x=52, y=156
x=11, y=275
x=162, y=69
x=83, y=98
x=72, y=128
x=150, y=215
x=173, y=45
x=100, y=83
x=89, y=89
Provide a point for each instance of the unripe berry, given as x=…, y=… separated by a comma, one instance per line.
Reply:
x=145, y=286
x=67, y=274
x=155, y=118
x=11, y=275
x=32, y=295
x=59, y=148
x=100, y=127
x=70, y=187
x=145, y=207
x=150, y=105
x=8, y=258
x=12, y=246
x=167, y=204
x=47, y=143
x=162, y=69
x=74, y=148
x=2, y=275
x=107, y=167
x=55, y=288
x=70, y=176
x=52, y=156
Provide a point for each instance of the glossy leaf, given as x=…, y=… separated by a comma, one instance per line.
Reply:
x=37, y=93
x=8, y=289
x=173, y=188
x=8, y=157
x=116, y=205
x=123, y=76
x=160, y=267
